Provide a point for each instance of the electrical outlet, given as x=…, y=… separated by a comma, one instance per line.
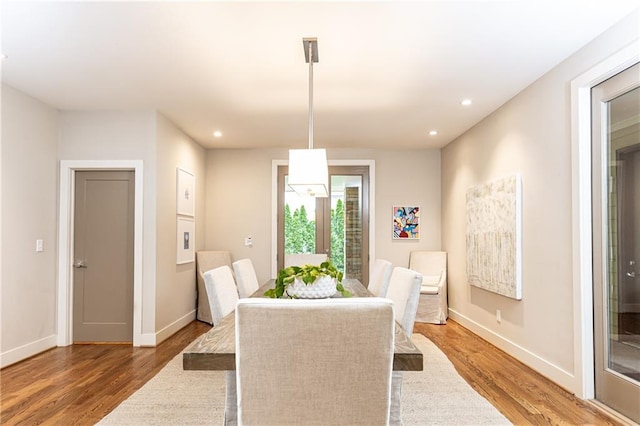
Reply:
x=248, y=242
x=498, y=316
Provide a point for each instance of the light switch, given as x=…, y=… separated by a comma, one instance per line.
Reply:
x=39, y=245
x=248, y=241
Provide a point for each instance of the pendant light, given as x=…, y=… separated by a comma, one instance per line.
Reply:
x=308, y=170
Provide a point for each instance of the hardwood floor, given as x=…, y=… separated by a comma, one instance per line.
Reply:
x=78, y=385
x=521, y=394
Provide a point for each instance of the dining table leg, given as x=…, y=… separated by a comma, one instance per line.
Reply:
x=395, y=415
x=231, y=404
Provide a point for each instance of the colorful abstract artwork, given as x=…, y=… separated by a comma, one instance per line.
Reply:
x=494, y=236
x=406, y=223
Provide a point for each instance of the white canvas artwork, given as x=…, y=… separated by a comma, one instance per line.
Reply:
x=494, y=236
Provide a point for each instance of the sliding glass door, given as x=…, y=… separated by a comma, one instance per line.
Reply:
x=616, y=237
x=337, y=226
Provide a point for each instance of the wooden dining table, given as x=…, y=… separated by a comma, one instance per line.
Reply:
x=216, y=349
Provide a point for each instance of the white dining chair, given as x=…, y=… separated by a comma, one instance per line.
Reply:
x=223, y=297
x=304, y=259
x=380, y=276
x=221, y=291
x=245, y=277
x=207, y=260
x=297, y=363
x=404, y=291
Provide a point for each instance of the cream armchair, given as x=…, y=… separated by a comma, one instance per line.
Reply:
x=432, y=307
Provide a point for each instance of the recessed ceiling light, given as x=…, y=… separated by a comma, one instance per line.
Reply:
x=433, y=132
x=465, y=102
x=217, y=134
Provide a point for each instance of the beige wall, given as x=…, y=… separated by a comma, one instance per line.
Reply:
x=238, y=204
x=530, y=135
x=407, y=177
x=34, y=138
x=176, y=284
x=113, y=135
x=239, y=200
x=29, y=212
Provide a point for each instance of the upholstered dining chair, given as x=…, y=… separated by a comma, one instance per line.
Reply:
x=432, y=305
x=404, y=291
x=297, y=363
x=304, y=259
x=223, y=296
x=245, y=277
x=221, y=291
x=380, y=276
x=207, y=260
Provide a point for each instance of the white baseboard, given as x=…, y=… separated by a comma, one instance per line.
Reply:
x=147, y=339
x=552, y=372
x=25, y=351
x=155, y=339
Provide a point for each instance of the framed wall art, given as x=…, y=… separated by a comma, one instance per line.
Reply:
x=186, y=240
x=186, y=193
x=406, y=223
x=494, y=236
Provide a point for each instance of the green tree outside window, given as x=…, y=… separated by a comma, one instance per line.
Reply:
x=337, y=236
x=300, y=233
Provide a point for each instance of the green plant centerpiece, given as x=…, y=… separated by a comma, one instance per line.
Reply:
x=308, y=281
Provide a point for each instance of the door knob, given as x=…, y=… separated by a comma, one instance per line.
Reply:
x=80, y=264
x=631, y=274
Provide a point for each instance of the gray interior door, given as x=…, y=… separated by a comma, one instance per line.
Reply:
x=103, y=253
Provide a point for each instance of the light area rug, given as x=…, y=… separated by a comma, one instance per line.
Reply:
x=435, y=396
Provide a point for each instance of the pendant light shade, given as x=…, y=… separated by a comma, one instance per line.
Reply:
x=308, y=173
x=308, y=170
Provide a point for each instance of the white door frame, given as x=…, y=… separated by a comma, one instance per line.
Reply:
x=68, y=169
x=274, y=206
x=584, y=385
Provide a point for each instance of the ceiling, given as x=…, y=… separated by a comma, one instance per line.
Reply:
x=389, y=72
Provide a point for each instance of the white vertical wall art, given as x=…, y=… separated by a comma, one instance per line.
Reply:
x=186, y=240
x=185, y=193
x=185, y=209
x=494, y=236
